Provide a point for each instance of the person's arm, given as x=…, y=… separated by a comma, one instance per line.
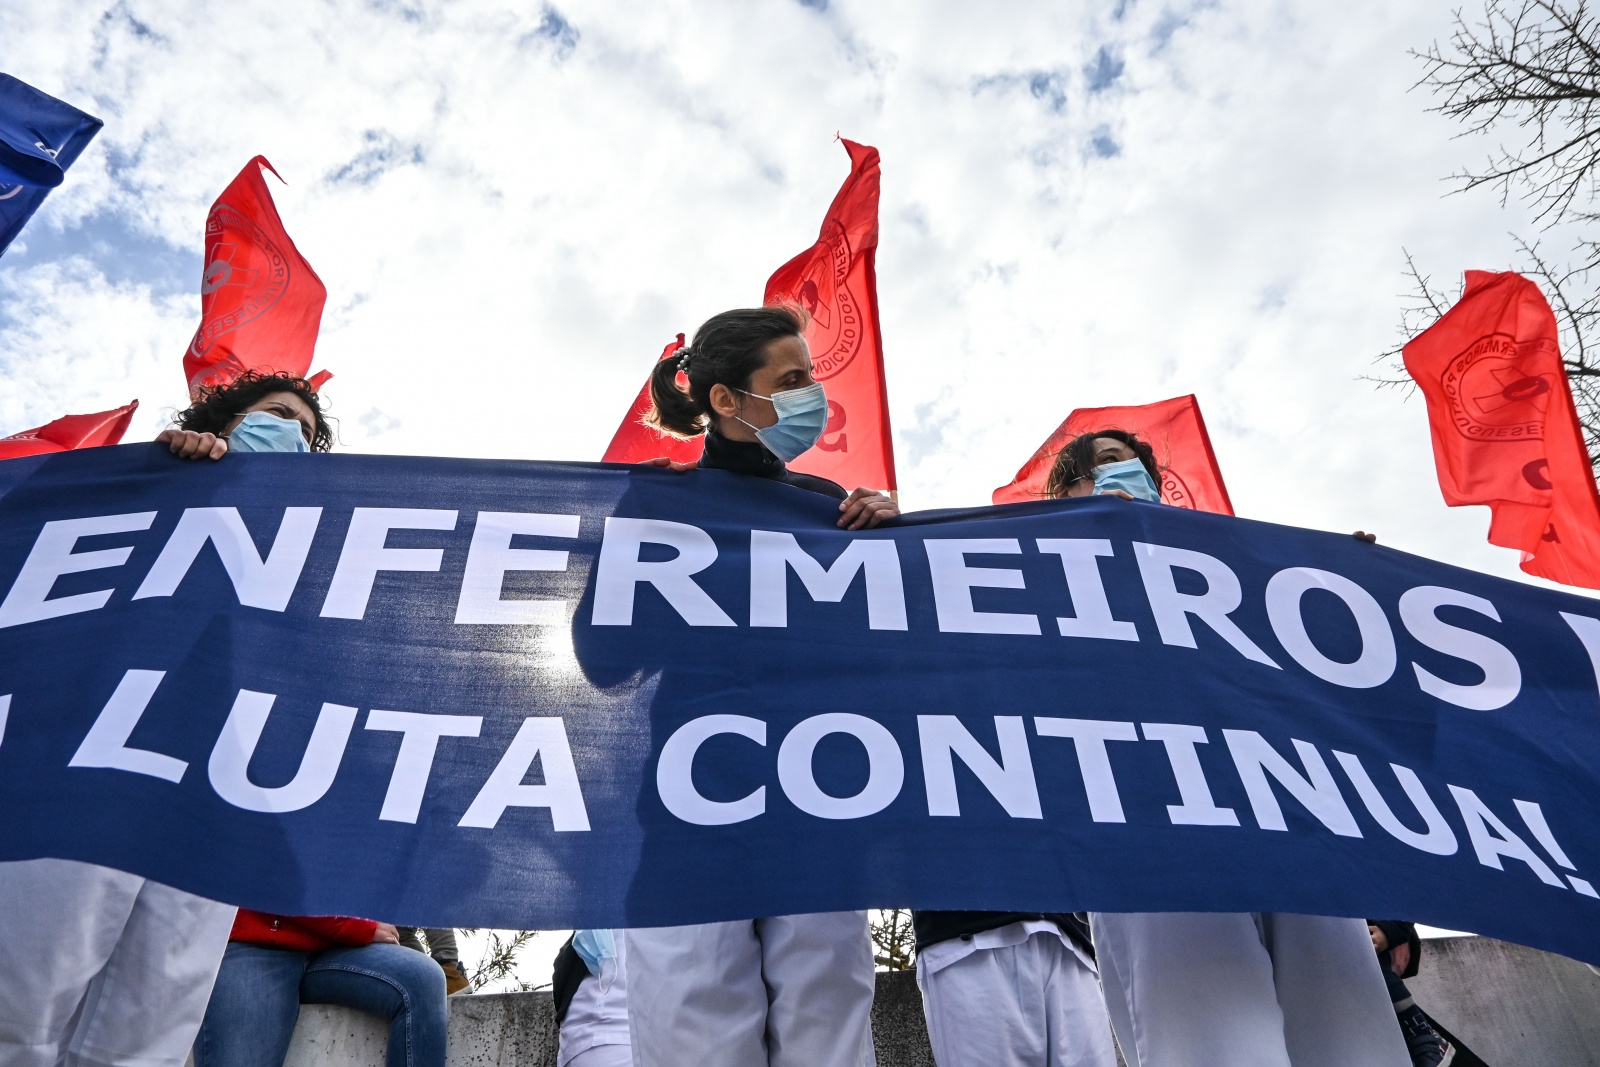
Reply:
x=343, y=931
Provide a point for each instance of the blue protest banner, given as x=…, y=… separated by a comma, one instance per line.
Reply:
x=40, y=137
x=515, y=694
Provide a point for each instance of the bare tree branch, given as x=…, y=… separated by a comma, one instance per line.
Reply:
x=894, y=941
x=1533, y=65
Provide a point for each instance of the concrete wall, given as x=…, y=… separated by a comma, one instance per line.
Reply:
x=1511, y=1005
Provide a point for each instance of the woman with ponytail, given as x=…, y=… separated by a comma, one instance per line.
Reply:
x=792, y=990
x=751, y=394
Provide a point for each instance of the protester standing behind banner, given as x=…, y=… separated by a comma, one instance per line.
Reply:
x=786, y=991
x=835, y=281
x=97, y=966
x=1018, y=988
x=1210, y=989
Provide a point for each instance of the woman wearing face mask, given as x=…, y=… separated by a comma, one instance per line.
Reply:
x=1247, y=989
x=787, y=991
x=254, y=412
x=98, y=966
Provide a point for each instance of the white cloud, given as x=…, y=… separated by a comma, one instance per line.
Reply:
x=514, y=210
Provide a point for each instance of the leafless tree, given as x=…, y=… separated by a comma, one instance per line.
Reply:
x=1529, y=68
x=894, y=942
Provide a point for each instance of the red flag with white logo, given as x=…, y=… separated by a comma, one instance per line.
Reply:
x=1505, y=432
x=1190, y=477
x=260, y=301
x=836, y=281
x=636, y=442
x=70, y=432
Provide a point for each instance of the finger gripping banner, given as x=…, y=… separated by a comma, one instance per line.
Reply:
x=539, y=695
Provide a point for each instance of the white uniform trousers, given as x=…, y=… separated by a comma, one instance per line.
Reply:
x=101, y=968
x=791, y=991
x=1027, y=999
x=1262, y=989
x=594, y=1032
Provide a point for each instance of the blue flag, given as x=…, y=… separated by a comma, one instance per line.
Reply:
x=40, y=137
x=487, y=693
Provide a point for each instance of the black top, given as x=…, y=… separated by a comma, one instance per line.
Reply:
x=570, y=971
x=750, y=457
x=933, y=927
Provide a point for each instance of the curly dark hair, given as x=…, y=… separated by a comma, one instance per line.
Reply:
x=1077, y=459
x=218, y=404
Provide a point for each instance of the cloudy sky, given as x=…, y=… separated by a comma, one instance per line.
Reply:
x=515, y=207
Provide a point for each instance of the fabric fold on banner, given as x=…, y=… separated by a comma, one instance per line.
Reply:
x=539, y=695
x=69, y=432
x=1190, y=477
x=40, y=137
x=1505, y=431
x=260, y=301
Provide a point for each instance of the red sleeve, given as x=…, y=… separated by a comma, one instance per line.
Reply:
x=339, y=930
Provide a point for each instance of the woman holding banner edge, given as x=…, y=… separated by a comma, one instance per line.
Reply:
x=784, y=991
x=1246, y=989
x=103, y=967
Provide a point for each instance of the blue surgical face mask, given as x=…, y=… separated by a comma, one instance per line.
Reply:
x=1130, y=476
x=598, y=948
x=260, y=432
x=802, y=416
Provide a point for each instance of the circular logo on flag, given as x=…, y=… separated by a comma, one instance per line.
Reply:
x=1174, y=491
x=245, y=274
x=837, y=329
x=1491, y=397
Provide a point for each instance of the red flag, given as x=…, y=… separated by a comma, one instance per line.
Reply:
x=1505, y=432
x=69, y=432
x=260, y=301
x=836, y=281
x=634, y=442
x=1190, y=476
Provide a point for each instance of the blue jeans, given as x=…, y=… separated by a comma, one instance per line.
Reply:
x=259, y=990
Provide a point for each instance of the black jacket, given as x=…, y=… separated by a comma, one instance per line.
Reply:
x=1400, y=933
x=570, y=971
x=749, y=457
x=932, y=927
